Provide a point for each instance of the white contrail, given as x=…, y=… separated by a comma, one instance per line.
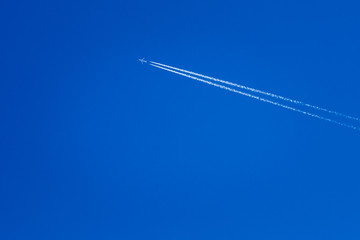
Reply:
x=256, y=97
x=259, y=91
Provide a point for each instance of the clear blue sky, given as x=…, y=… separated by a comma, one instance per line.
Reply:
x=95, y=145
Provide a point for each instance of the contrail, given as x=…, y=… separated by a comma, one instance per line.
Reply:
x=259, y=91
x=256, y=97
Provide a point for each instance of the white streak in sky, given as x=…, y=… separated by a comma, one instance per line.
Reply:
x=258, y=98
x=259, y=91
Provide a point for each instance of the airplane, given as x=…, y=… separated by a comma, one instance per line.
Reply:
x=142, y=60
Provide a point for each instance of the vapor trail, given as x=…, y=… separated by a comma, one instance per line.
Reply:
x=256, y=97
x=261, y=92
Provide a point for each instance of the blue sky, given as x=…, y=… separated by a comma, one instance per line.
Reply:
x=95, y=145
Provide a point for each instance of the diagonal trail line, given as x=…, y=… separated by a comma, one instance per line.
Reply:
x=259, y=91
x=256, y=97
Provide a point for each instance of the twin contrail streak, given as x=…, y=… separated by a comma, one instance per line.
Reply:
x=255, y=97
x=259, y=91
